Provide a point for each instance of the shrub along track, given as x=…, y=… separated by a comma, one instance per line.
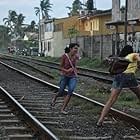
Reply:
x=82, y=118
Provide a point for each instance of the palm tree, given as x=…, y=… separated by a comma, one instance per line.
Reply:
x=10, y=20
x=32, y=27
x=45, y=7
x=18, y=25
x=37, y=11
x=14, y=23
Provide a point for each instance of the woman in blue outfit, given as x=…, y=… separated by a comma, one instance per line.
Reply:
x=68, y=75
x=124, y=80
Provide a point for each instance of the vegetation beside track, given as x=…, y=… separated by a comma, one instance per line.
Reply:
x=97, y=90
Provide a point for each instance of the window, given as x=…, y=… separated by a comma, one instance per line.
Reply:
x=49, y=27
x=49, y=46
x=91, y=26
x=58, y=27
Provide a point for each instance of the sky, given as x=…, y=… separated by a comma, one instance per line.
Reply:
x=26, y=7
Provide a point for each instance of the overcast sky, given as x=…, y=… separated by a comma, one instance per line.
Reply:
x=26, y=7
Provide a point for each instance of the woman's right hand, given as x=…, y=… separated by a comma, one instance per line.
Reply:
x=69, y=70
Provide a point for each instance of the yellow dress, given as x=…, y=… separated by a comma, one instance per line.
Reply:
x=133, y=65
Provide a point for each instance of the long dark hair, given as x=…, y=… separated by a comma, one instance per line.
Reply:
x=67, y=50
x=71, y=45
x=126, y=50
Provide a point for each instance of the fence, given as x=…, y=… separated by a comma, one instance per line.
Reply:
x=94, y=46
x=102, y=46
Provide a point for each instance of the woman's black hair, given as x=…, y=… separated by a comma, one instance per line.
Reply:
x=67, y=50
x=71, y=45
x=126, y=50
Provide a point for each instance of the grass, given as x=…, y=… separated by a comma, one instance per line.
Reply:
x=89, y=63
x=85, y=106
x=126, y=98
x=50, y=59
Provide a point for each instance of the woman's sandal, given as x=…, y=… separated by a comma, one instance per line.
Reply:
x=99, y=124
x=52, y=104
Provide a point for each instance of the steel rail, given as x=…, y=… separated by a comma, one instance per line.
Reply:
x=121, y=115
x=43, y=130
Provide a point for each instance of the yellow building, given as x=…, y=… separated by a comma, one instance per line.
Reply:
x=95, y=23
x=56, y=34
x=69, y=24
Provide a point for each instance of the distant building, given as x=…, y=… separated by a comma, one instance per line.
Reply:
x=94, y=23
x=117, y=24
x=133, y=9
x=55, y=34
x=118, y=16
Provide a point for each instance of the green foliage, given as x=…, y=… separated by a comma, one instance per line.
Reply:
x=52, y=59
x=4, y=37
x=29, y=44
x=14, y=22
x=45, y=7
x=72, y=32
x=127, y=97
x=90, y=5
x=76, y=6
x=122, y=9
x=32, y=27
x=89, y=62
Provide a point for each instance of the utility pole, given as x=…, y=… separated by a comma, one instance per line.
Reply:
x=40, y=43
x=40, y=35
x=125, y=23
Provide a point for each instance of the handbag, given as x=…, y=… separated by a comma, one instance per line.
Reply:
x=118, y=65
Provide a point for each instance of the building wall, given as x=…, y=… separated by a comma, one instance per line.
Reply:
x=67, y=23
x=96, y=25
x=133, y=9
x=115, y=10
x=103, y=29
x=59, y=38
x=57, y=45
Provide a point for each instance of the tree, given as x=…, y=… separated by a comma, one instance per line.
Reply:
x=69, y=8
x=122, y=9
x=32, y=27
x=10, y=20
x=14, y=23
x=45, y=7
x=76, y=7
x=90, y=5
x=18, y=25
x=37, y=11
x=72, y=32
x=4, y=37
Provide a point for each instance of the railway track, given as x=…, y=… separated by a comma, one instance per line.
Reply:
x=10, y=125
x=95, y=74
x=37, y=98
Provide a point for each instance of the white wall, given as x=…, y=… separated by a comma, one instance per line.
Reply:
x=57, y=44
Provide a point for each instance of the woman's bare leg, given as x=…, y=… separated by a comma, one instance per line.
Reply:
x=113, y=97
x=66, y=101
x=54, y=99
x=136, y=91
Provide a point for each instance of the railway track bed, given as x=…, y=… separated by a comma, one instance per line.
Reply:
x=82, y=118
